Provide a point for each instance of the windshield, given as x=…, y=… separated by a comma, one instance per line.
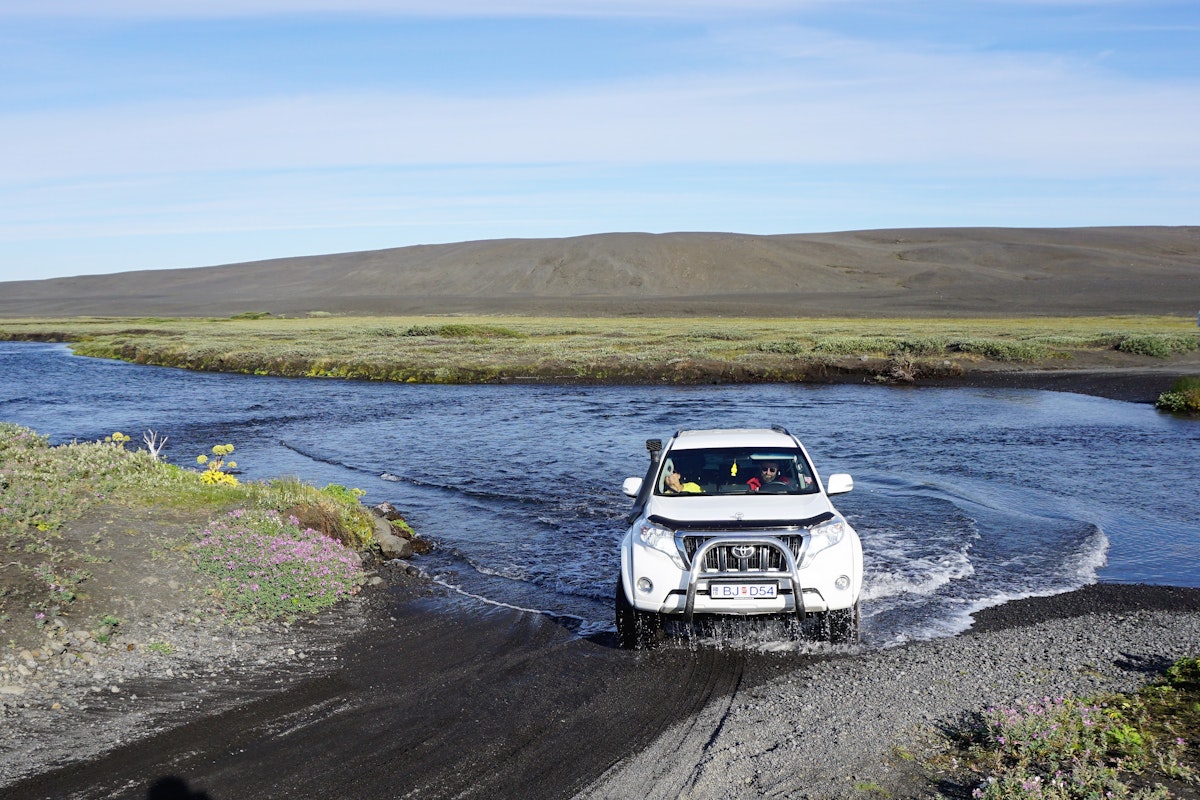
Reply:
x=735, y=470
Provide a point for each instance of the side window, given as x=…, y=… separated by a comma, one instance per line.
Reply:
x=804, y=478
x=668, y=466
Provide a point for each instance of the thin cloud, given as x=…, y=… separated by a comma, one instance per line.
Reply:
x=235, y=9
x=944, y=109
x=688, y=9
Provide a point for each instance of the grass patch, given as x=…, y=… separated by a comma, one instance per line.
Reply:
x=1062, y=748
x=334, y=511
x=44, y=488
x=480, y=349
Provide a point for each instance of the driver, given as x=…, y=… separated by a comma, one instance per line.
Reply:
x=768, y=472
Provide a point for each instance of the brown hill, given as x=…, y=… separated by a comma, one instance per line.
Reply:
x=917, y=272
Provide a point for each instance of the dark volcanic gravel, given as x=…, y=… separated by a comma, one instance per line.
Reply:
x=435, y=697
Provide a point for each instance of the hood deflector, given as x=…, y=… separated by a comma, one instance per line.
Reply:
x=740, y=524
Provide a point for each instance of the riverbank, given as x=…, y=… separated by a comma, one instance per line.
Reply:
x=1052, y=351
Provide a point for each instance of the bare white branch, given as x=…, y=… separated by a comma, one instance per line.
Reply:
x=153, y=443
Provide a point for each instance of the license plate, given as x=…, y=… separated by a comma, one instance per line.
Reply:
x=743, y=591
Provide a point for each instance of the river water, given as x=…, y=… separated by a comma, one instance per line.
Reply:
x=964, y=498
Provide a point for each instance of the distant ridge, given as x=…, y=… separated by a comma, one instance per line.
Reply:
x=913, y=272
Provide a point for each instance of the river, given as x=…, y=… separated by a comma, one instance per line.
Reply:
x=964, y=498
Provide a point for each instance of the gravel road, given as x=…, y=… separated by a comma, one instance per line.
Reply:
x=432, y=697
x=829, y=729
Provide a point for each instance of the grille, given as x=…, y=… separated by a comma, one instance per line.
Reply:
x=743, y=558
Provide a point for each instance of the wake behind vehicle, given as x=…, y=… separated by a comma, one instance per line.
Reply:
x=736, y=522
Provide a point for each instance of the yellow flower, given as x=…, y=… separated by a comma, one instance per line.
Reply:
x=214, y=477
x=201, y=459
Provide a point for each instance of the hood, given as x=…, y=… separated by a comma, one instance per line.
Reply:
x=746, y=508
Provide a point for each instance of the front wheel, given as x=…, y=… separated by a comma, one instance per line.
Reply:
x=635, y=629
x=840, y=626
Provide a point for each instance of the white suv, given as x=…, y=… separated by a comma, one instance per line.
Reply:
x=736, y=522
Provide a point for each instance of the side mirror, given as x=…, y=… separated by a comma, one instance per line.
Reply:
x=632, y=486
x=839, y=483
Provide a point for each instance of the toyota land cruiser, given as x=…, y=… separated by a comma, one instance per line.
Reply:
x=736, y=522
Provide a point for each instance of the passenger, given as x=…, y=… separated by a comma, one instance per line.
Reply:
x=676, y=483
x=768, y=472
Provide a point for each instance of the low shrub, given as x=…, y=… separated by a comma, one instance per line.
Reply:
x=1183, y=396
x=784, y=347
x=1158, y=345
x=1000, y=349
x=923, y=346
x=462, y=330
x=855, y=345
x=42, y=486
x=1104, y=340
x=719, y=335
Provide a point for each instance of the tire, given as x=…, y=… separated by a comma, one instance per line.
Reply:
x=635, y=629
x=840, y=626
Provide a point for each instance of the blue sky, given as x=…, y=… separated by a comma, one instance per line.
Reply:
x=141, y=135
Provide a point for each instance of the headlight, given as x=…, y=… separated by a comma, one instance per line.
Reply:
x=660, y=539
x=822, y=537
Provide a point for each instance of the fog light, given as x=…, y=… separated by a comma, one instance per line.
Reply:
x=842, y=583
x=644, y=585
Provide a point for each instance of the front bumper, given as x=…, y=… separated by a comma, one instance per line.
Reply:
x=749, y=577
x=686, y=591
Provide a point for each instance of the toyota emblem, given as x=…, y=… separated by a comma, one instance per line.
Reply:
x=743, y=551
